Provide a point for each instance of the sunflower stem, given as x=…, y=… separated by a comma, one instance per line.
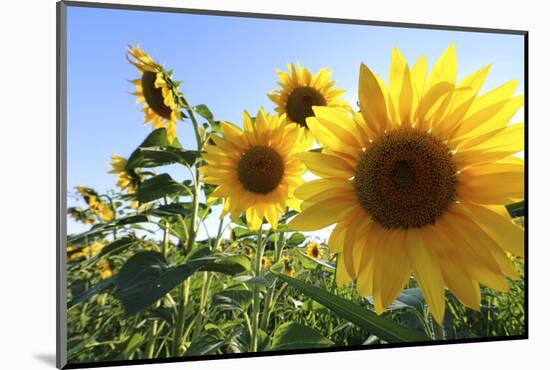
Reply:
x=256, y=296
x=180, y=323
x=438, y=330
x=270, y=293
x=197, y=185
x=151, y=344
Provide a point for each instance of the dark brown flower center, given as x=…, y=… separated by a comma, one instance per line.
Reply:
x=300, y=103
x=405, y=179
x=260, y=170
x=153, y=95
x=314, y=252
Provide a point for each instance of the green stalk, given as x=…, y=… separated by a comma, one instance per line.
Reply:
x=180, y=322
x=438, y=330
x=165, y=239
x=112, y=203
x=150, y=350
x=269, y=298
x=256, y=296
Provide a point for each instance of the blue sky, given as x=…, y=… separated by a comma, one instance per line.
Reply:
x=229, y=64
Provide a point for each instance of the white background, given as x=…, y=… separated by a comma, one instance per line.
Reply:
x=27, y=182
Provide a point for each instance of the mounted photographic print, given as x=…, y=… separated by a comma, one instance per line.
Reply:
x=235, y=185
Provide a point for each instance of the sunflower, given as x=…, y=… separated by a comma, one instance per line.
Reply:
x=157, y=91
x=255, y=169
x=88, y=251
x=266, y=262
x=301, y=91
x=417, y=183
x=314, y=250
x=104, y=269
x=124, y=181
x=287, y=267
x=80, y=215
x=96, y=205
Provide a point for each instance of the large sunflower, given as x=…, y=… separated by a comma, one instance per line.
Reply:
x=255, y=169
x=301, y=91
x=157, y=91
x=417, y=183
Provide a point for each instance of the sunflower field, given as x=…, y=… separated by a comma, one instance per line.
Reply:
x=419, y=185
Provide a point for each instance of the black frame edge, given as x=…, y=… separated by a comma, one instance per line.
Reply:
x=61, y=192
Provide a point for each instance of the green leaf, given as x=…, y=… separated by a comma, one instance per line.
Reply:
x=409, y=298
x=159, y=156
x=132, y=344
x=204, y=112
x=232, y=299
x=172, y=209
x=99, y=230
x=156, y=138
x=96, y=289
x=230, y=265
x=241, y=232
x=253, y=280
x=146, y=277
x=295, y=240
x=205, y=344
x=119, y=245
x=516, y=209
x=412, y=298
x=159, y=137
x=311, y=263
x=293, y=335
x=384, y=328
x=158, y=187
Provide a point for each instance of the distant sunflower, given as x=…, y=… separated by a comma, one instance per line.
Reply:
x=287, y=267
x=255, y=169
x=104, y=269
x=301, y=91
x=88, y=251
x=157, y=91
x=266, y=262
x=314, y=250
x=417, y=183
x=96, y=205
x=124, y=181
x=78, y=214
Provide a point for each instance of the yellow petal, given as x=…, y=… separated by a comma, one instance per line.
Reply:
x=456, y=277
x=253, y=219
x=391, y=269
x=312, y=188
x=342, y=276
x=445, y=69
x=427, y=272
x=372, y=101
x=492, y=188
x=418, y=79
x=496, y=222
x=406, y=99
x=479, y=262
x=326, y=165
x=322, y=214
x=336, y=239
